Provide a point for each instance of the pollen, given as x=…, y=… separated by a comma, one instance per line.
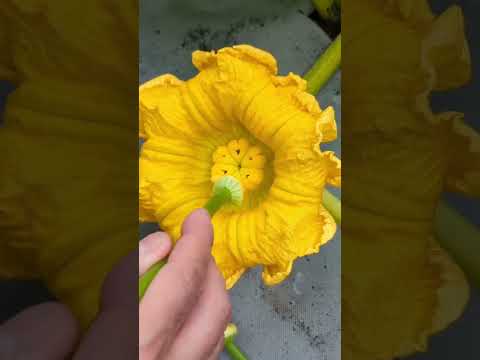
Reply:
x=241, y=160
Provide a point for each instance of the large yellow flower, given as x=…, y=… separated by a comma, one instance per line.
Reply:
x=237, y=117
x=398, y=286
x=62, y=218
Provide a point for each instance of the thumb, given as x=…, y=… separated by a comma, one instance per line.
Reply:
x=43, y=332
x=114, y=333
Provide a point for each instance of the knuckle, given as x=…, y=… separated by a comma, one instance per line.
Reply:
x=190, y=280
x=152, y=347
x=191, y=276
x=181, y=314
x=187, y=238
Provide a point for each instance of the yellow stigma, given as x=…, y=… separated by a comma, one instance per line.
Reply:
x=240, y=160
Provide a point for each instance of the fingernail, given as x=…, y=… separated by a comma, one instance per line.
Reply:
x=204, y=213
x=199, y=217
x=153, y=244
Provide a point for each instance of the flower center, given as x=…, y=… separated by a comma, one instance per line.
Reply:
x=239, y=159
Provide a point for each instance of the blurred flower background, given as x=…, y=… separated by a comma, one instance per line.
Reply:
x=301, y=317
x=460, y=340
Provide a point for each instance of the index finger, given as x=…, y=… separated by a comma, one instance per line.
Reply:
x=176, y=289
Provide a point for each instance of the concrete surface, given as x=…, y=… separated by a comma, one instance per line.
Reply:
x=300, y=319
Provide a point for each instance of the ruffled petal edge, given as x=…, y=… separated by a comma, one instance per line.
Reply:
x=463, y=173
x=231, y=280
x=275, y=274
x=454, y=292
x=162, y=82
x=445, y=51
x=203, y=60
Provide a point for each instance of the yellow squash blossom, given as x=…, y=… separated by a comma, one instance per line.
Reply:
x=238, y=117
x=68, y=144
x=398, y=286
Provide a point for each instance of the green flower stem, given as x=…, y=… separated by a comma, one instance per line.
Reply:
x=232, y=350
x=235, y=354
x=333, y=206
x=329, y=10
x=223, y=197
x=327, y=64
x=148, y=277
x=460, y=239
x=212, y=206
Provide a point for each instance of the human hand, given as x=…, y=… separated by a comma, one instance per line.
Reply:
x=182, y=316
x=186, y=309
x=49, y=331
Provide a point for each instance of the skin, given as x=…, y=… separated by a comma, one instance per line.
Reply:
x=182, y=316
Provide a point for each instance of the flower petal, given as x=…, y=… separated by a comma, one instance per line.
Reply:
x=283, y=115
x=326, y=126
x=7, y=70
x=445, y=50
x=333, y=165
x=172, y=172
x=226, y=249
x=230, y=78
x=290, y=83
x=264, y=236
x=245, y=53
x=17, y=247
x=311, y=232
x=160, y=108
x=301, y=173
x=237, y=95
x=453, y=294
x=275, y=274
x=464, y=169
x=411, y=10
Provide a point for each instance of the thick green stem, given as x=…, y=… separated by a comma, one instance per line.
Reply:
x=333, y=206
x=461, y=239
x=327, y=64
x=223, y=197
x=232, y=350
x=329, y=10
x=147, y=278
